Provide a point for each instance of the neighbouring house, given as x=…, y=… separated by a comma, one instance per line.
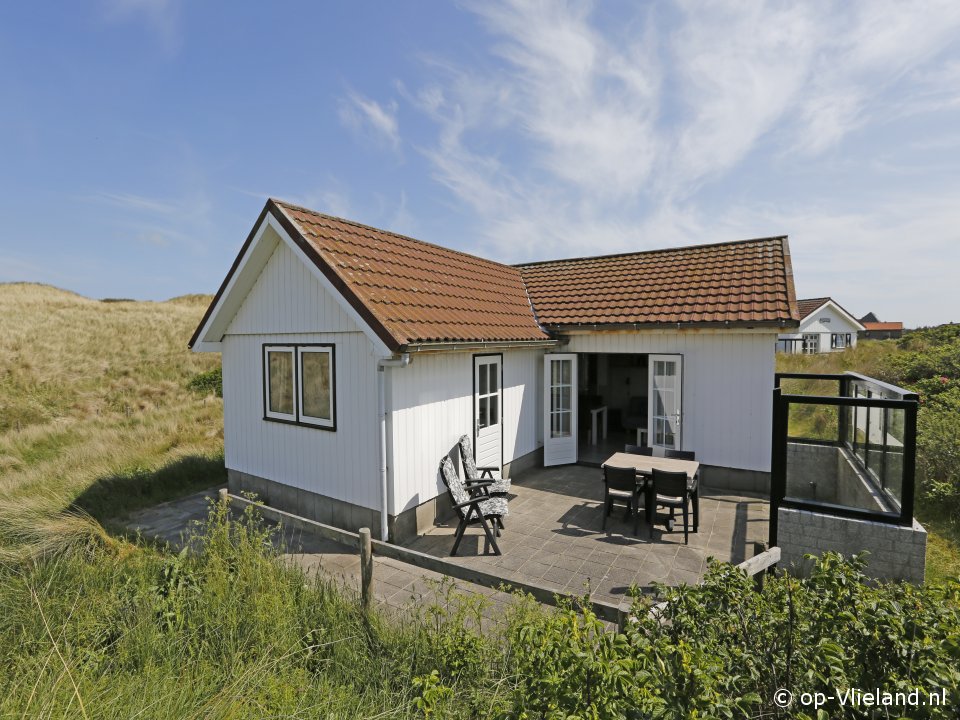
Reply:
x=824, y=327
x=873, y=329
x=354, y=359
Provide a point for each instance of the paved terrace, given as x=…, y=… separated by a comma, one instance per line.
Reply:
x=554, y=537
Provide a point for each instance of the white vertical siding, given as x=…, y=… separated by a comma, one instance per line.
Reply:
x=431, y=403
x=342, y=464
x=288, y=305
x=727, y=388
x=287, y=298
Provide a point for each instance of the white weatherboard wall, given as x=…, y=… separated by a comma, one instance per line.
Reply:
x=288, y=305
x=727, y=387
x=431, y=403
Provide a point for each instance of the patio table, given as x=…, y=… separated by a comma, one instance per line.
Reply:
x=646, y=464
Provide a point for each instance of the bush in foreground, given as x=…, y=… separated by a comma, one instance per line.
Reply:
x=230, y=630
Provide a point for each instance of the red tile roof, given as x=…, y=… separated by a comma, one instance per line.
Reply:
x=883, y=325
x=415, y=291
x=809, y=305
x=745, y=282
x=411, y=292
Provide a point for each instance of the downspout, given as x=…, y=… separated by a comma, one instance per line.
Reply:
x=382, y=365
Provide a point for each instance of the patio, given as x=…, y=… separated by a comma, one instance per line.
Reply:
x=554, y=537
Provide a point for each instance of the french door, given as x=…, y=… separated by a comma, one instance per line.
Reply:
x=487, y=411
x=559, y=409
x=664, y=393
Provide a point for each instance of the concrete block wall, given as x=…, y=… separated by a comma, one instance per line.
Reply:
x=828, y=474
x=896, y=553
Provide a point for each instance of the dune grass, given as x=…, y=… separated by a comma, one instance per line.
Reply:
x=96, y=417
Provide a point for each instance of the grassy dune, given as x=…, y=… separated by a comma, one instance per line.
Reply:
x=95, y=413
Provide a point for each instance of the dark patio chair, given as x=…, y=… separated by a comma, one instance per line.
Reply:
x=473, y=505
x=637, y=450
x=621, y=486
x=499, y=488
x=679, y=454
x=670, y=489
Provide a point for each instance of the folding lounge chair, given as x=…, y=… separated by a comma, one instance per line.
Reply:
x=474, y=474
x=473, y=505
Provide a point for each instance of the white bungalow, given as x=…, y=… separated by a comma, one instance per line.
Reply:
x=824, y=327
x=354, y=359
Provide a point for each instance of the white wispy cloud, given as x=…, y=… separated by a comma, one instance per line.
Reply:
x=162, y=17
x=578, y=133
x=370, y=119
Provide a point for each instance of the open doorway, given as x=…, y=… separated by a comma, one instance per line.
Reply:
x=612, y=390
x=595, y=403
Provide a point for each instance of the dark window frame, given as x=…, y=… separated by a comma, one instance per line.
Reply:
x=298, y=417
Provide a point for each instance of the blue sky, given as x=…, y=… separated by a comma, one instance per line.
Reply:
x=140, y=138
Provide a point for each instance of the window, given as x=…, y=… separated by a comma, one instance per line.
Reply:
x=316, y=385
x=488, y=395
x=299, y=384
x=811, y=343
x=279, y=382
x=839, y=341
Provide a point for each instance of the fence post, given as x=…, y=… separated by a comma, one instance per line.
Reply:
x=366, y=568
x=223, y=495
x=758, y=548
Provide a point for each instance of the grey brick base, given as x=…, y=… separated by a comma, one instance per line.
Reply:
x=896, y=553
x=305, y=503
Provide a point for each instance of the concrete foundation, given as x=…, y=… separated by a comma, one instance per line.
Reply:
x=896, y=552
x=826, y=473
x=735, y=479
x=305, y=503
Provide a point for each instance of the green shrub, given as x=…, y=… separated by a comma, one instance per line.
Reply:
x=722, y=649
x=208, y=382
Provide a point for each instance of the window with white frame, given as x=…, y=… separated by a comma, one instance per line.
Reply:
x=299, y=384
x=315, y=364
x=811, y=343
x=279, y=382
x=839, y=341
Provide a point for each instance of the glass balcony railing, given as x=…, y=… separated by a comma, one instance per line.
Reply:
x=844, y=445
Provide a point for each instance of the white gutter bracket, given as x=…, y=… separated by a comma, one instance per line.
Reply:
x=382, y=365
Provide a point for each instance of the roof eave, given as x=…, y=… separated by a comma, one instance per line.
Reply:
x=715, y=325
x=464, y=345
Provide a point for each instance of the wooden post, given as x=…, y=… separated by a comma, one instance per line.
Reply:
x=366, y=568
x=758, y=548
x=223, y=495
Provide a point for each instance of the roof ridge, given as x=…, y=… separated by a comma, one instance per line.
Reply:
x=346, y=221
x=681, y=248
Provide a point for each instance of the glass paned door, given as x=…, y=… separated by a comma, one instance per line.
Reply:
x=665, y=381
x=487, y=409
x=560, y=409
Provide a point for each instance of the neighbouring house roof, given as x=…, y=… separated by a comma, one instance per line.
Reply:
x=883, y=326
x=869, y=317
x=808, y=306
x=411, y=292
x=746, y=282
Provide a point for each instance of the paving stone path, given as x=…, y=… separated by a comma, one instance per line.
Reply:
x=398, y=587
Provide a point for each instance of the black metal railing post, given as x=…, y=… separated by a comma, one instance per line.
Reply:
x=778, y=462
x=843, y=390
x=908, y=480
